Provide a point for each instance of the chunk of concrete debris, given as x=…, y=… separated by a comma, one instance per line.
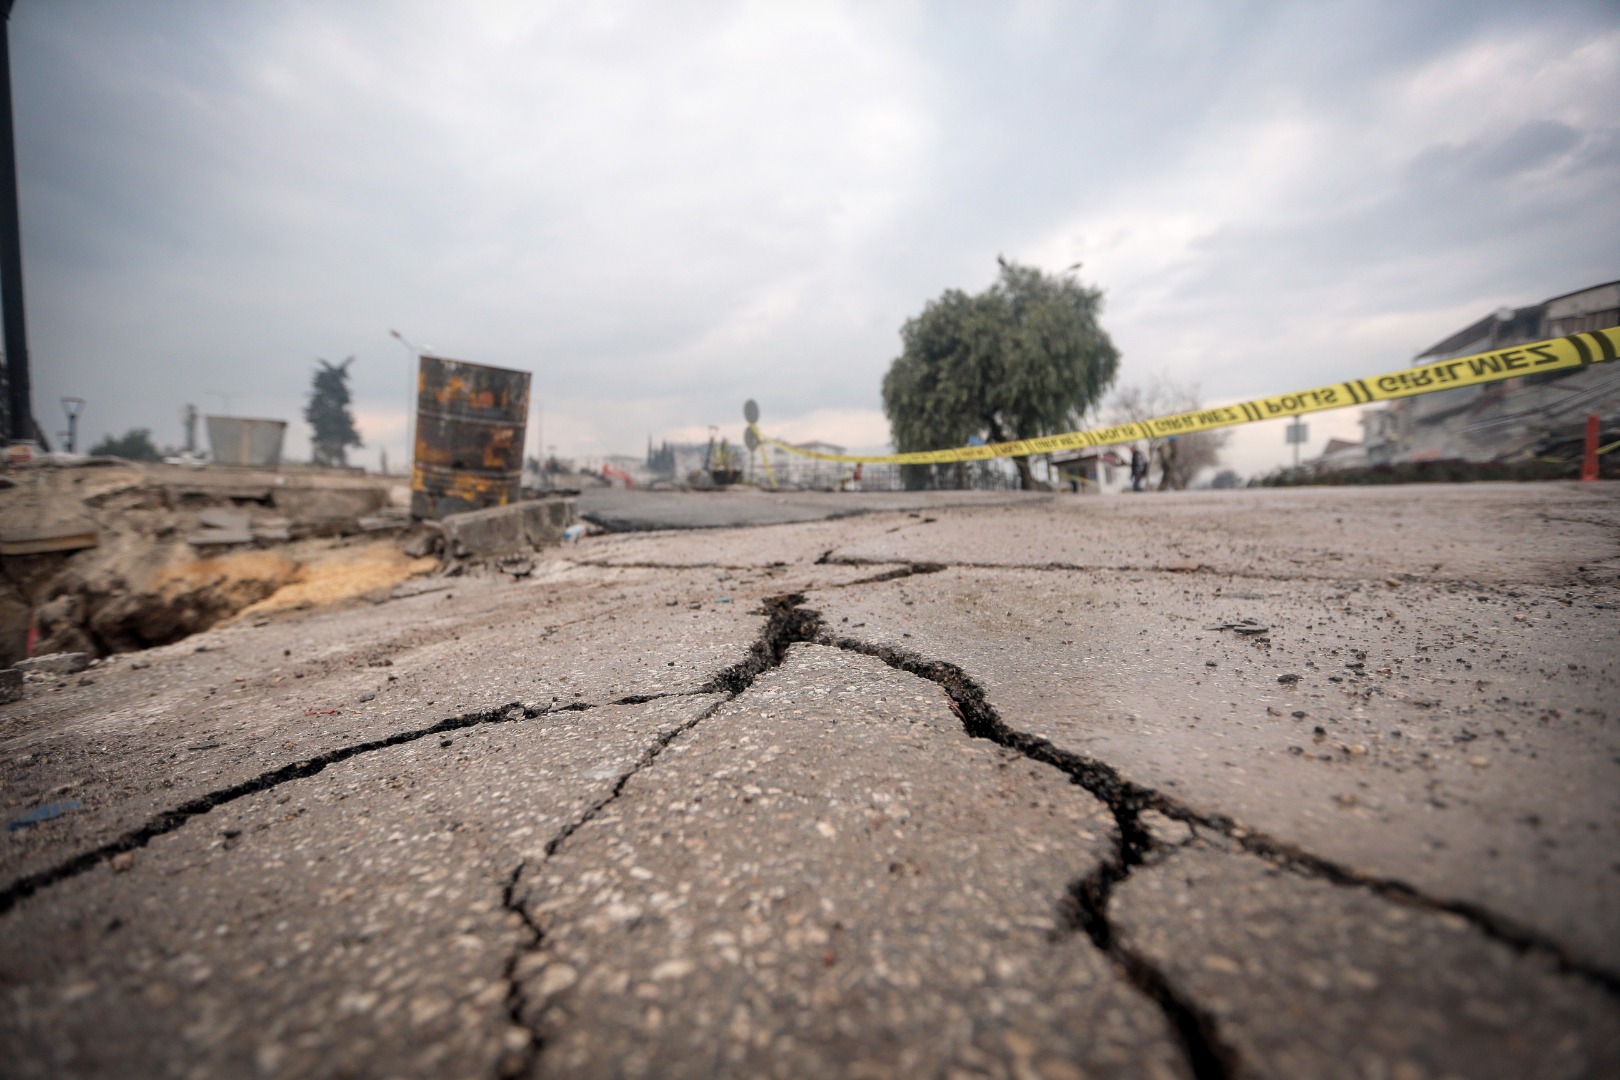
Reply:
x=217, y=518
x=220, y=527
x=501, y=530
x=62, y=663
x=428, y=541
x=484, y=532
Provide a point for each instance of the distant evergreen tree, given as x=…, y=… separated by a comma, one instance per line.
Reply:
x=662, y=460
x=328, y=414
x=133, y=445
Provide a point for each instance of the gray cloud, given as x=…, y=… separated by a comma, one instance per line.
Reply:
x=664, y=209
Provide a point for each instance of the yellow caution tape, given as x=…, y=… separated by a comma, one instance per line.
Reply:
x=1557, y=354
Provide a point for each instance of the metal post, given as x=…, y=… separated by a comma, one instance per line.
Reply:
x=1589, y=461
x=412, y=403
x=19, y=392
x=72, y=406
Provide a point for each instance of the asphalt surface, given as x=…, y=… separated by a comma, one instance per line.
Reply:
x=1257, y=783
x=637, y=510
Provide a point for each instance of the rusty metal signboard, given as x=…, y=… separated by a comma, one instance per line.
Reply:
x=470, y=424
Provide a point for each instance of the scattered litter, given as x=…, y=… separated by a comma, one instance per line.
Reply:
x=47, y=812
x=573, y=532
x=322, y=712
x=722, y=599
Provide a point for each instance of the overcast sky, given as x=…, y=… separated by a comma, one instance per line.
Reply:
x=663, y=209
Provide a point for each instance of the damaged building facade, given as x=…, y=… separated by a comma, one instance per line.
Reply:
x=1501, y=421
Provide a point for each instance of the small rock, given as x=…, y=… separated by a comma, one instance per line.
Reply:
x=368, y=697
x=673, y=969
x=11, y=685
x=1288, y=678
x=554, y=980
x=122, y=862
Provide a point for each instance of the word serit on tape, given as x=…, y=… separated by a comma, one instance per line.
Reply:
x=1556, y=354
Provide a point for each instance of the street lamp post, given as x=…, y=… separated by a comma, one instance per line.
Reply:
x=410, y=402
x=72, y=406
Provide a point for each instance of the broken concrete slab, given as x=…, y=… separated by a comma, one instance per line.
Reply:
x=216, y=517
x=500, y=530
x=39, y=539
x=316, y=504
x=62, y=663
x=221, y=527
x=475, y=533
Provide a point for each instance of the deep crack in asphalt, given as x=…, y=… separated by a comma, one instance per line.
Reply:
x=787, y=622
x=1085, y=907
x=170, y=820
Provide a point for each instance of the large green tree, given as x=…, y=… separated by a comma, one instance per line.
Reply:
x=328, y=414
x=1026, y=357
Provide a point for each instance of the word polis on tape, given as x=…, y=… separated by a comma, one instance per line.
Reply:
x=1576, y=350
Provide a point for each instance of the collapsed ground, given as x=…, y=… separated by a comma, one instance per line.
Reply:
x=1273, y=783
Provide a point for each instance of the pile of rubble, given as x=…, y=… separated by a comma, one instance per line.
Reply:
x=106, y=556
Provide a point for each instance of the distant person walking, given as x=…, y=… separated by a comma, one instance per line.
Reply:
x=1139, y=468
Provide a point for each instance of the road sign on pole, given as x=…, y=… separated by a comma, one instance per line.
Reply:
x=1296, y=433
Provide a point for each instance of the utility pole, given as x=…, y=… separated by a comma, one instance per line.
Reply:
x=19, y=392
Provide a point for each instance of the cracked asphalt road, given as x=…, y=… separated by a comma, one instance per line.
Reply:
x=1271, y=783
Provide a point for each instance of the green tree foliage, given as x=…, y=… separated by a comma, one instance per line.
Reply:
x=328, y=414
x=133, y=445
x=1024, y=358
